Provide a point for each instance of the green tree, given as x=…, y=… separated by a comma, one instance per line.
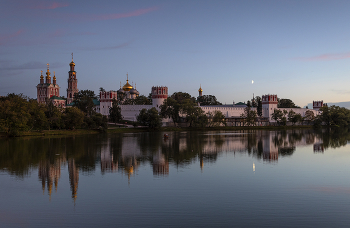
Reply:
x=73, y=118
x=38, y=120
x=150, y=118
x=178, y=105
x=294, y=117
x=84, y=101
x=208, y=100
x=259, y=106
x=115, y=114
x=142, y=100
x=286, y=103
x=277, y=115
x=309, y=116
x=216, y=118
x=14, y=114
x=54, y=116
x=249, y=116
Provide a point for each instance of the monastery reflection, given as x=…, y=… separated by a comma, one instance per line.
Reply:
x=49, y=174
x=125, y=153
x=73, y=177
x=160, y=165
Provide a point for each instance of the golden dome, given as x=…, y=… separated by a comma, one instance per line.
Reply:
x=127, y=86
x=200, y=89
x=72, y=64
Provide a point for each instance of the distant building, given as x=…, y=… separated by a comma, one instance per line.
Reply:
x=47, y=91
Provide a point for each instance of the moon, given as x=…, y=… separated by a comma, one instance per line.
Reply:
x=252, y=82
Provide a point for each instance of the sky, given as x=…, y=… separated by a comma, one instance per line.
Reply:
x=299, y=50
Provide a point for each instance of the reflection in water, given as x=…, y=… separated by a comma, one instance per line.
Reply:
x=49, y=174
x=125, y=153
x=73, y=177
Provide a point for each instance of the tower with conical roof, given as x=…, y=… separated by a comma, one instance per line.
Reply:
x=72, y=82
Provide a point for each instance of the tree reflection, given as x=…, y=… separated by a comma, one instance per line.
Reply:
x=124, y=153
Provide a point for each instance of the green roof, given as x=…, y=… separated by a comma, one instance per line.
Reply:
x=96, y=102
x=57, y=98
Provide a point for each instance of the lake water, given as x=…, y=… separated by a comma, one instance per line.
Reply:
x=296, y=178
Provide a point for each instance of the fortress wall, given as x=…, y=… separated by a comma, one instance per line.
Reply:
x=130, y=112
x=227, y=111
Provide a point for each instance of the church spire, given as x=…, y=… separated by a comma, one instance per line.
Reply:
x=200, y=90
x=54, y=78
x=48, y=78
x=41, y=78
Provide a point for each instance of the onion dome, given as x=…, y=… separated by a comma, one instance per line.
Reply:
x=127, y=86
x=200, y=89
x=48, y=71
x=133, y=91
x=72, y=63
x=120, y=90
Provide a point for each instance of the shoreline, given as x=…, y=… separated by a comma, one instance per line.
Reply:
x=162, y=129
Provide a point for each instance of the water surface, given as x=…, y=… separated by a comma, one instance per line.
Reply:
x=192, y=179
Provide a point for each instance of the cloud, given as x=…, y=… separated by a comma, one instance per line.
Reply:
x=325, y=57
x=6, y=38
x=48, y=5
x=122, y=15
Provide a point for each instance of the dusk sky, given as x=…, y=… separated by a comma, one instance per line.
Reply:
x=296, y=49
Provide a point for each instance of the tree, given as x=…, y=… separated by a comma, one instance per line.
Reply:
x=14, y=115
x=217, y=118
x=208, y=100
x=177, y=104
x=294, y=117
x=84, y=101
x=309, y=116
x=291, y=115
x=249, y=104
x=115, y=114
x=259, y=106
x=142, y=100
x=150, y=118
x=38, y=120
x=249, y=116
x=73, y=117
x=286, y=103
x=54, y=116
x=277, y=115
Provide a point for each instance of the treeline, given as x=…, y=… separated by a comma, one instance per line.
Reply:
x=181, y=107
x=333, y=116
x=19, y=113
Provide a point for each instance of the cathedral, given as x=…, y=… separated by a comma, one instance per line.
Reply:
x=49, y=91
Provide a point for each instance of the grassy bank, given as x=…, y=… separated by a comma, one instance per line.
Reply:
x=136, y=130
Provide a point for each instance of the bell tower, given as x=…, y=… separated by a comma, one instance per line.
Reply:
x=72, y=82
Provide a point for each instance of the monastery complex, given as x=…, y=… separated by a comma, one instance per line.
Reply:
x=50, y=90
